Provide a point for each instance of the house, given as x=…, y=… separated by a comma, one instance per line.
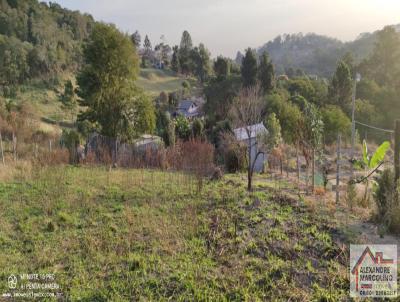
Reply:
x=241, y=134
x=188, y=109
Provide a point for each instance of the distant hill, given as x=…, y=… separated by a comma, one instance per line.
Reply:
x=316, y=54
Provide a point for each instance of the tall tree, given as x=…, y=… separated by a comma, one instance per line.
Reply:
x=222, y=67
x=266, y=73
x=340, y=89
x=239, y=58
x=249, y=68
x=200, y=57
x=107, y=85
x=147, y=46
x=274, y=131
x=175, y=59
x=246, y=112
x=186, y=41
x=136, y=39
x=185, y=53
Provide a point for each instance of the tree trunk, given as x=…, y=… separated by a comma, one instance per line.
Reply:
x=249, y=169
x=249, y=180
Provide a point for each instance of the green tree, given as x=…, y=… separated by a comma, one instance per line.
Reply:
x=186, y=41
x=249, y=68
x=219, y=97
x=290, y=117
x=147, y=45
x=136, y=39
x=274, y=131
x=175, y=59
x=165, y=127
x=222, y=68
x=340, y=89
x=185, y=48
x=107, y=86
x=182, y=127
x=197, y=128
x=302, y=87
x=266, y=73
x=384, y=64
x=335, y=120
x=313, y=127
x=200, y=57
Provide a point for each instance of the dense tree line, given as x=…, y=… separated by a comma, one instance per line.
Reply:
x=315, y=54
x=39, y=40
x=191, y=60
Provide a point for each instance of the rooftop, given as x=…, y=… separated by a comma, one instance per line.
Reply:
x=241, y=133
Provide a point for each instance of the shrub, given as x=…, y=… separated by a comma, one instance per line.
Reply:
x=57, y=156
x=197, y=128
x=182, y=127
x=71, y=140
x=351, y=195
x=335, y=120
x=385, y=194
x=231, y=161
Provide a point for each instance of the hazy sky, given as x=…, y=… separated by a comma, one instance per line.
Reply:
x=226, y=26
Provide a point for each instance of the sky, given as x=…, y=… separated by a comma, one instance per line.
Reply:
x=226, y=26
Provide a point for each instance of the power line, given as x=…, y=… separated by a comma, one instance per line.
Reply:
x=376, y=128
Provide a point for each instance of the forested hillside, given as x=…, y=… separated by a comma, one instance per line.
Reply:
x=39, y=40
x=315, y=54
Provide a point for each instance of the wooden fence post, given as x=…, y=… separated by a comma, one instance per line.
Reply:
x=338, y=168
x=14, y=142
x=1, y=149
x=397, y=150
x=313, y=171
x=298, y=166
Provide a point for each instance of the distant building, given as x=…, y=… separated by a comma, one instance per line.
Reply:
x=255, y=130
x=188, y=109
x=147, y=141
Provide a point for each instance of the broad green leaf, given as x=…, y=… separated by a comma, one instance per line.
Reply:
x=379, y=155
x=365, y=153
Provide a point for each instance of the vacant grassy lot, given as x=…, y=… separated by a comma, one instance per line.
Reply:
x=144, y=235
x=155, y=81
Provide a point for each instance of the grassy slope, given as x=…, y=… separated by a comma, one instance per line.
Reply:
x=45, y=106
x=155, y=81
x=122, y=234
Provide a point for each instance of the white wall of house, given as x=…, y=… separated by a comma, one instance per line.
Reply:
x=259, y=164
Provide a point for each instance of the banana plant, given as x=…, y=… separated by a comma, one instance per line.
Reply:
x=371, y=163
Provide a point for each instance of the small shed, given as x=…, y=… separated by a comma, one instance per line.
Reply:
x=242, y=134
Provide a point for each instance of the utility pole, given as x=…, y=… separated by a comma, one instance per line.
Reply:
x=353, y=123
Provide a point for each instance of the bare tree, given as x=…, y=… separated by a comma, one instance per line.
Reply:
x=247, y=112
